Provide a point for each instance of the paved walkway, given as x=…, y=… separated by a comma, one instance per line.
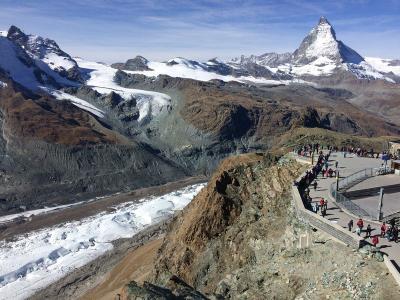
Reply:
x=348, y=166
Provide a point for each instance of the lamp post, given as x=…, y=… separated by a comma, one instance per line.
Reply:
x=337, y=184
x=380, y=204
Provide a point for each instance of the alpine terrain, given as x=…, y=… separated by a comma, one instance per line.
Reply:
x=96, y=159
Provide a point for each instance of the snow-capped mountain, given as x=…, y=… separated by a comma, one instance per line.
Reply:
x=322, y=42
x=321, y=54
x=47, y=51
x=268, y=59
x=213, y=69
x=35, y=62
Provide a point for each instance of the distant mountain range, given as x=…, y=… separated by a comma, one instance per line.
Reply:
x=34, y=62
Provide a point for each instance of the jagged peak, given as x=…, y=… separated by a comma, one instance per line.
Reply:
x=323, y=20
x=16, y=33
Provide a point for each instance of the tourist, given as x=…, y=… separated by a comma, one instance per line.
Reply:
x=314, y=207
x=315, y=184
x=368, y=231
x=323, y=211
x=360, y=224
x=389, y=234
x=383, y=229
x=336, y=164
x=350, y=225
x=321, y=203
x=375, y=240
x=395, y=234
x=358, y=231
x=326, y=204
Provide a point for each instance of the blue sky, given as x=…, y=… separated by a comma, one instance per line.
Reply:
x=114, y=30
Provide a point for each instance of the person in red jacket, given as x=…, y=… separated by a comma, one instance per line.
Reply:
x=360, y=223
x=375, y=240
x=383, y=229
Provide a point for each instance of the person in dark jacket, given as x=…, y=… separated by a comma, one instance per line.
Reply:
x=350, y=225
x=368, y=231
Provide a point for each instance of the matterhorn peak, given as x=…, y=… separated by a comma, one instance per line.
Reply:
x=321, y=44
x=323, y=20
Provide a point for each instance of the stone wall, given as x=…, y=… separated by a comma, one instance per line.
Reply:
x=320, y=223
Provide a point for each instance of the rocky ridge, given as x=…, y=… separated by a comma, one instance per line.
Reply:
x=238, y=239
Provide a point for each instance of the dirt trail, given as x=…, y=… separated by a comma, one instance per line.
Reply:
x=136, y=265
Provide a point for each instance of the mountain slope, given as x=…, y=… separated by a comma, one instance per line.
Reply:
x=47, y=51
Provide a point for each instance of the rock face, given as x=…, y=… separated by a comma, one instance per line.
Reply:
x=139, y=63
x=177, y=290
x=238, y=239
x=53, y=153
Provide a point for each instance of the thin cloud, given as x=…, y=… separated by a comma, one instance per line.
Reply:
x=111, y=30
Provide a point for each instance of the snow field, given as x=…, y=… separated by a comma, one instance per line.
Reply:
x=35, y=260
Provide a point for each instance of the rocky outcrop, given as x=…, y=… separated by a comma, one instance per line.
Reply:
x=177, y=290
x=229, y=212
x=139, y=63
x=239, y=239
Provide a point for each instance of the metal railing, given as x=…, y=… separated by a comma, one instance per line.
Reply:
x=359, y=176
x=345, y=203
x=350, y=181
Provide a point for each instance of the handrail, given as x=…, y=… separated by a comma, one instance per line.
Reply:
x=349, y=181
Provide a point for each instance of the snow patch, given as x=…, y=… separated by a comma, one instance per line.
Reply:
x=384, y=65
x=3, y=84
x=33, y=261
x=183, y=68
x=77, y=102
x=9, y=62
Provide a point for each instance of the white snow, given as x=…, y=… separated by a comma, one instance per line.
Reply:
x=382, y=65
x=325, y=43
x=365, y=70
x=2, y=84
x=3, y=33
x=57, y=62
x=186, y=69
x=35, y=260
x=48, y=51
x=321, y=66
x=77, y=102
x=101, y=79
x=14, y=66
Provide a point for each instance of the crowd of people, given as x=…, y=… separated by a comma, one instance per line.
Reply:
x=389, y=231
x=308, y=150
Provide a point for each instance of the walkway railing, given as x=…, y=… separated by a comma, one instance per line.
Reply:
x=359, y=176
x=348, y=182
